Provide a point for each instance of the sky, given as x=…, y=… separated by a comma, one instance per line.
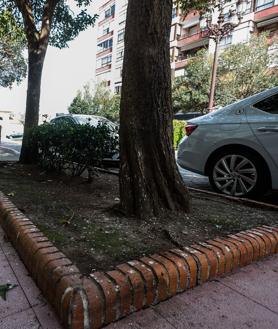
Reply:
x=65, y=72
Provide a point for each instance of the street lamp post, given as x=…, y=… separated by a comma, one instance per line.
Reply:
x=225, y=24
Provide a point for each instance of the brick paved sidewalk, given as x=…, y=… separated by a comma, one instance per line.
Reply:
x=25, y=307
x=246, y=299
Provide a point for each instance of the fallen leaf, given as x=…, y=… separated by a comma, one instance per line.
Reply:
x=67, y=221
x=4, y=288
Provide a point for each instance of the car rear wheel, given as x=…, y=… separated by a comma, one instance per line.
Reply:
x=237, y=173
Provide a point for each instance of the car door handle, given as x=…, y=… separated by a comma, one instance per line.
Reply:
x=268, y=129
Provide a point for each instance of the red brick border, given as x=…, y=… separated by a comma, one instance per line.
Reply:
x=91, y=303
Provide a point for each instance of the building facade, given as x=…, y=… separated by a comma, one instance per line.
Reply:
x=188, y=35
x=110, y=43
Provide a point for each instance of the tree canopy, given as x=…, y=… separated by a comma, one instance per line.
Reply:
x=54, y=22
x=64, y=20
x=200, y=5
x=100, y=101
x=244, y=69
x=12, y=43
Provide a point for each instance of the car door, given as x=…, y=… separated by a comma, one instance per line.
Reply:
x=263, y=119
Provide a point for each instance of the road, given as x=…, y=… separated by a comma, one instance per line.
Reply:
x=9, y=151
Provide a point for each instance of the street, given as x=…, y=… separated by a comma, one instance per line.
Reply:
x=10, y=151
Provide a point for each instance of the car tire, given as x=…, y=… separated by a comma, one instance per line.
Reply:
x=238, y=173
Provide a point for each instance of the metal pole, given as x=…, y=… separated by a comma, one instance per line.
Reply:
x=213, y=75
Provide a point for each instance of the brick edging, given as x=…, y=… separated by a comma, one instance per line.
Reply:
x=92, y=302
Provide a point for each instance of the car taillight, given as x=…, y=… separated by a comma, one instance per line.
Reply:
x=189, y=129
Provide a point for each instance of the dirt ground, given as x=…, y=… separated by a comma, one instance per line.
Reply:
x=81, y=220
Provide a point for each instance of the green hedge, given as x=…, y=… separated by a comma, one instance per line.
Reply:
x=73, y=147
x=179, y=131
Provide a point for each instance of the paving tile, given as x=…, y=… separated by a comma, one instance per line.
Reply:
x=147, y=319
x=29, y=287
x=214, y=306
x=16, y=300
x=258, y=281
x=46, y=317
x=22, y=320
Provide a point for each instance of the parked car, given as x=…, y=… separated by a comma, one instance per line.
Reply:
x=83, y=119
x=187, y=115
x=93, y=120
x=236, y=146
x=15, y=136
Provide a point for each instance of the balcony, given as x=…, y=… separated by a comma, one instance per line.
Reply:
x=106, y=20
x=180, y=64
x=105, y=36
x=103, y=69
x=197, y=40
x=104, y=52
x=266, y=14
x=109, y=2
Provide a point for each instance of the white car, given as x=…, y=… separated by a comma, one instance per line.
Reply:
x=236, y=146
x=93, y=120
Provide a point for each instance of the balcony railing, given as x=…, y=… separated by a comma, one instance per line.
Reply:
x=187, y=39
x=107, y=19
x=103, y=69
x=181, y=63
x=104, y=52
x=105, y=36
x=266, y=13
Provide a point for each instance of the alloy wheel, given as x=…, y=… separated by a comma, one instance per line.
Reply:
x=235, y=175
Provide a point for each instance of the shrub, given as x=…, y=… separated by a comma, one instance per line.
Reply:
x=178, y=131
x=73, y=148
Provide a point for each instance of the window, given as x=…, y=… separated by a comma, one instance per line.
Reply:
x=118, y=89
x=174, y=13
x=121, y=35
x=106, y=30
x=105, y=45
x=264, y=4
x=106, y=60
x=227, y=40
x=106, y=83
x=109, y=12
x=269, y=105
x=63, y=120
x=193, y=30
x=120, y=55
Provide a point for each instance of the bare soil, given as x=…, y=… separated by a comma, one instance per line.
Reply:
x=82, y=219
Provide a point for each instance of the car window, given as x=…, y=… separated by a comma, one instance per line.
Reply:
x=269, y=105
x=62, y=120
x=83, y=120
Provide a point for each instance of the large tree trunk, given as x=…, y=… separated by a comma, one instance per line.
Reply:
x=150, y=183
x=36, y=58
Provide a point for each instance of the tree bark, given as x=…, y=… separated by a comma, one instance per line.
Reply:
x=36, y=58
x=37, y=46
x=150, y=183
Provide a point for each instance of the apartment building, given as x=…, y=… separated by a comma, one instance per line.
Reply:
x=110, y=43
x=188, y=35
